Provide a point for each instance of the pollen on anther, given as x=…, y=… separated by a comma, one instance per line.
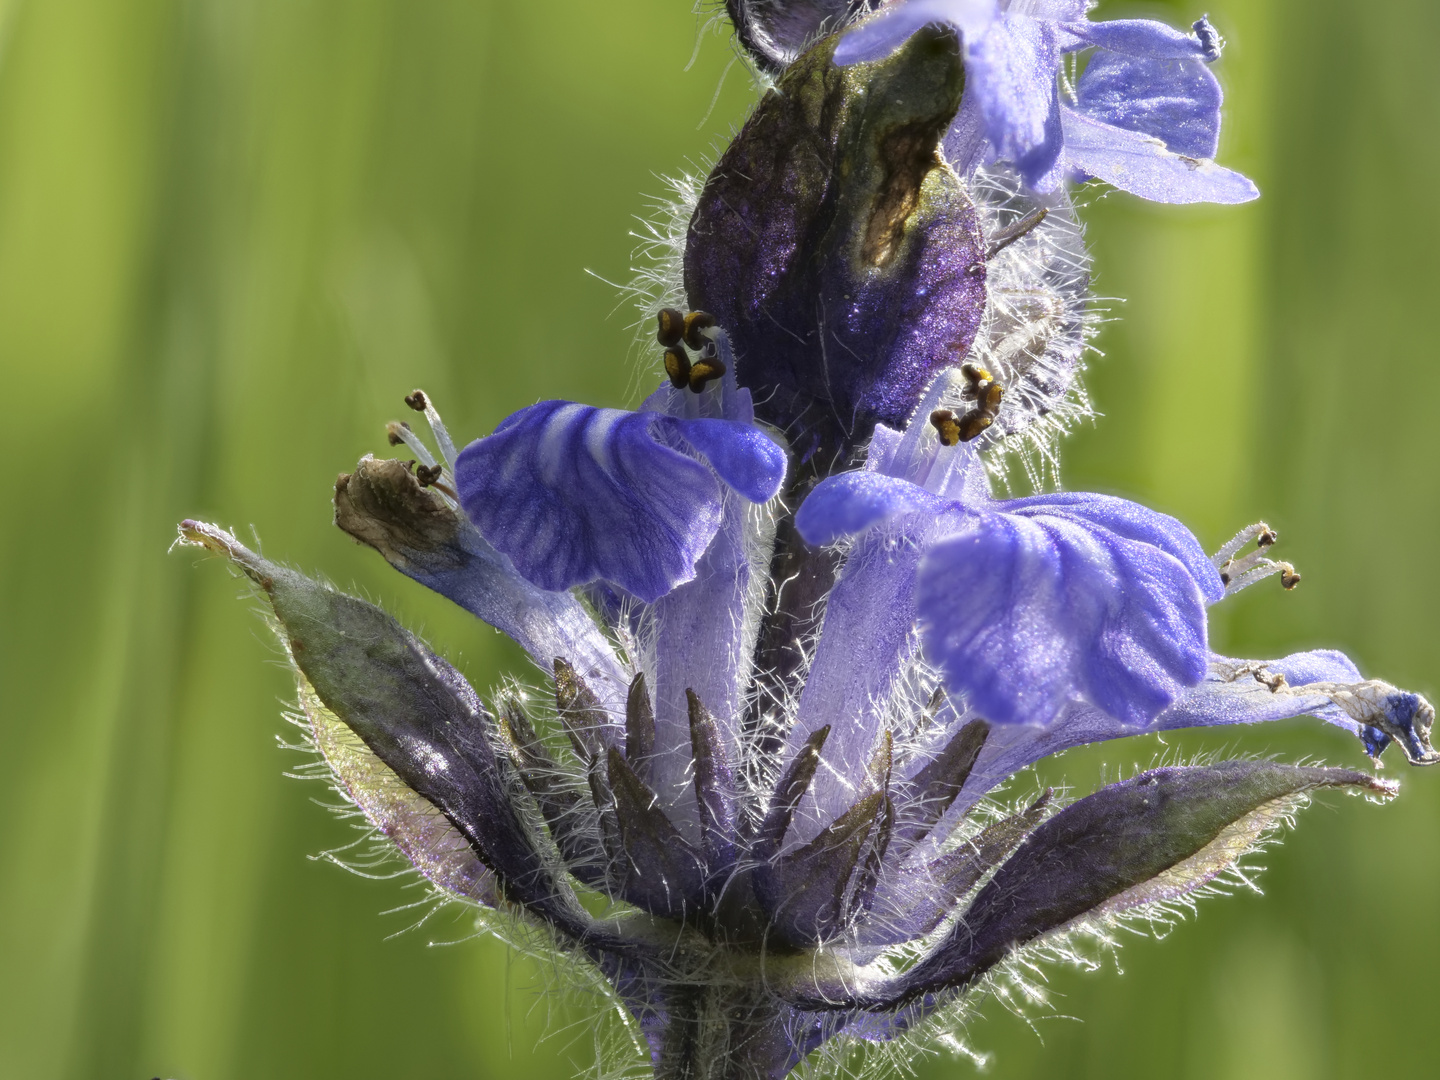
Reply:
x=703, y=370
x=670, y=327
x=677, y=367
x=695, y=324
x=947, y=425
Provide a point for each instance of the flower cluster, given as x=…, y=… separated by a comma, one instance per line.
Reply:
x=792, y=642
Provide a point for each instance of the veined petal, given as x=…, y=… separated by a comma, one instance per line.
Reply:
x=1176, y=101
x=1132, y=521
x=1025, y=613
x=882, y=35
x=575, y=494
x=1141, y=164
x=853, y=502
x=1137, y=37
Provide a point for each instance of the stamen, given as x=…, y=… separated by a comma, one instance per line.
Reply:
x=420, y=402
x=696, y=323
x=1000, y=239
x=705, y=369
x=1237, y=574
x=677, y=366
x=1251, y=532
x=670, y=327
x=399, y=432
x=981, y=388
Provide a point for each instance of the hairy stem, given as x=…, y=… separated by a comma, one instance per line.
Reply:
x=723, y=1033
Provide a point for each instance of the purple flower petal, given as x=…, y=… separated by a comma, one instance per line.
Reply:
x=1024, y=613
x=852, y=502
x=1133, y=522
x=1139, y=37
x=1140, y=164
x=744, y=457
x=1011, y=71
x=1221, y=699
x=574, y=494
x=882, y=35
x=1176, y=101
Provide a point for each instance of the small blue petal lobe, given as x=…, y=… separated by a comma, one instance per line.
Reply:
x=741, y=455
x=574, y=494
x=1026, y=612
x=879, y=37
x=1175, y=101
x=1140, y=164
x=851, y=502
x=1143, y=37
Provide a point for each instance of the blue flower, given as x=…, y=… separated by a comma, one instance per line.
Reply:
x=1144, y=115
x=1027, y=604
x=573, y=494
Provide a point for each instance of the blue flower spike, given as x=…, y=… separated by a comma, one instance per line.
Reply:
x=788, y=642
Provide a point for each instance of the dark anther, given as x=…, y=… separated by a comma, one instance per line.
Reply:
x=973, y=423
x=1000, y=239
x=1266, y=538
x=677, y=366
x=1289, y=578
x=981, y=388
x=428, y=474
x=417, y=400
x=974, y=376
x=392, y=431
x=695, y=322
x=703, y=371
x=1224, y=576
x=670, y=327
x=944, y=421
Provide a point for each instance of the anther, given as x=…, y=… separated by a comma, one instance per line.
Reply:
x=1000, y=239
x=945, y=422
x=1254, y=566
x=670, y=327
x=973, y=423
x=677, y=366
x=696, y=323
x=420, y=402
x=428, y=474
x=974, y=375
x=981, y=388
x=392, y=432
x=703, y=370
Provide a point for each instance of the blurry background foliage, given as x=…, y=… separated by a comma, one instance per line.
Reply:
x=233, y=233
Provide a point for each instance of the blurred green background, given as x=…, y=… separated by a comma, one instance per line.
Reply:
x=233, y=233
